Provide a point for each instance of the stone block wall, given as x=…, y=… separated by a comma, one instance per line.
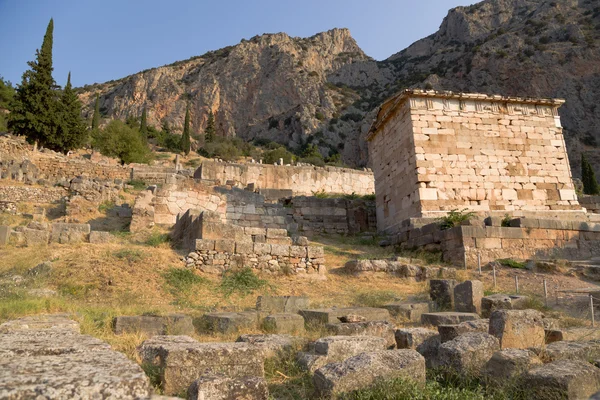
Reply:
x=302, y=180
x=30, y=194
x=157, y=175
x=590, y=203
x=437, y=151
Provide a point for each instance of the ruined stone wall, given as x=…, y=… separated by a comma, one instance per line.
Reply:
x=302, y=180
x=54, y=170
x=31, y=194
x=484, y=153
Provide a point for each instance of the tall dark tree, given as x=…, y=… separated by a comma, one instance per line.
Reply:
x=96, y=117
x=144, y=126
x=588, y=177
x=209, y=132
x=71, y=132
x=185, y=138
x=33, y=109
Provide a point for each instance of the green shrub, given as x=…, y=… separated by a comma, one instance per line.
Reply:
x=181, y=279
x=130, y=255
x=123, y=142
x=506, y=221
x=273, y=156
x=156, y=239
x=243, y=281
x=137, y=184
x=106, y=206
x=455, y=218
x=509, y=262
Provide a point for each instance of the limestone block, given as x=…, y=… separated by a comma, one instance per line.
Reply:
x=273, y=345
x=99, y=237
x=338, y=348
x=409, y=311
x=449, y=332
x=508, y=364
x=563, y=379
x=262, y=248
x=467, y=296
x=280, y=250
x=411, y=338
x=276, y=233
x=244, y=248
x=469, y=352
x=517, y=329
x=225, y=245
x=441, y=292
x=174, y=324
x=315, y=252
x=495, y=302
x=571, y=334
x=331, y=315
x=447, y=318
x=4, y=235
x=563, y=350
x=366, y=369
x=34, y=237
x=382, y=329
x=298, y=251
x=282, y=304
x=205, y=245
x=220, y=387
x=284, y=323
x=228, y=322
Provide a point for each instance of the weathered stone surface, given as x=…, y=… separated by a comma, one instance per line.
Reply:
x=331, y=315
x=563, y=379
x=589, y=350
x=517, y=329
x=495, y=302
x=4, y=235
x=449, y=332
x=150, y=325
x=282, y=304
x=447, y=318
x=338, y=348
x=228, y=322
x=69, y=232
x=467, y=296
x=35, y=237
x=441, y=292
x=46, y=357
x=99, y=237
x=182, y=360
x=510, y=363
x=409, y=311
x=273, y=345
x=284, y=323
x=311, y=361
x=219, y=387
x=365, y=369
x=382, y=329
x=429, y=350
x=468, y=352
x=411, y=338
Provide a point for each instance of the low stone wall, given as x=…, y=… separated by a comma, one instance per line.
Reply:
x=30, y=194
x=54, y=170
x=158, y=175
x=590, y=203
x=302, y=180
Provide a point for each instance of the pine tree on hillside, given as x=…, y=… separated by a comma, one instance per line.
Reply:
x=588, y=177
x=185, y=138
x=144, y=126
x=71, y=132
x=209, y=132
x=96, y=117
x=33, y=109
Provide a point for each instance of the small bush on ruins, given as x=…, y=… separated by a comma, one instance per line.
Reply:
x=505, y=221
x=273, y=156
x=156, y=239
x=180, y=279
x=243, y=282
x=123, y=142
x=455, y=218
x=509, y=262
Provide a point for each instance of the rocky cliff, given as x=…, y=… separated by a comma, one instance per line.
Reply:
x=324, y=89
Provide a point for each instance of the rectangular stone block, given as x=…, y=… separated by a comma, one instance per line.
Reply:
x=331, y=315
x=298, y=251
x=280, y=250
x=517, y=329
x=285, y=323
x=225, y=245
x=4, y=235
x=244, y=248
x=441, y=292
x=282, y=304
x=228, y=322
x=467, y=296
x=205, y=245
x=447, y=318
x=276, y=233
x=410, y=311
x=262, y=248
x=315, y=252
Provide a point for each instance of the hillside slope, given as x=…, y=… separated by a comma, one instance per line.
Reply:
x=324, y=89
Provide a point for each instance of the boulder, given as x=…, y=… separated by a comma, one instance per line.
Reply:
x=284, y=323
x=508, y=364
x=441, y=292
x=447, y=318
x=182, y=360
x=467, y=296
x=449, y=332
x=410, y=311
x=468, y=352
x=382, y=329
x=363, y=370
x=219, y=387
x=411, y=338
x=151, y=325
x=282, y=304
x=229, y=322
x=518, y=329
x=563, y=379
x=273, y=345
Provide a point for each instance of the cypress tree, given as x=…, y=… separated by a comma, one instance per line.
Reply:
x=33, y=109
x=144, y=126
x=209, y=132
x=96, y=117
x=588, y=177
x=71, y=132
x=185, y=138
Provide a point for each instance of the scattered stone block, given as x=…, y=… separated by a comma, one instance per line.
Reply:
x=441, y=292
x=411, y=338
x=310, y=361
x=589, y=350
x=46, y=322
x=284, y=323
x=409, y=311
x=508, y=364
x=331, y=315
x=151, y=325
x=219, y=387
x=468, y=352
x=467, y=296
x=382, y=329
x=282, y=304
x=69, y=233
x=99, y=237
x=518, y=329
x=495, y=302
x=563, y=379
x=273, y=345
x=449, y=332
x=4, y=235
x=447, y=318
x=35, y=237
x=230, y=322
x=363, y=370
x=182, y=360
x=338, y=348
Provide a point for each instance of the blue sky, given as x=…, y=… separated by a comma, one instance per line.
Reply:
x=108, y=39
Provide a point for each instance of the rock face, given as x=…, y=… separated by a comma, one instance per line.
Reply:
x=218, y=387
x=564, y=379
x=363, y=370
x=518, y=329
x=46, y=357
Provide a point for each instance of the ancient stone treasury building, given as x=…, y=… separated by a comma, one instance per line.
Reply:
x=433, y=152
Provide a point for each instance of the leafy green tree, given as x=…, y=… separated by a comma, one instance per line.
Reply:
x=209, y=132
x=7, y=93
x=588, y=177
x=71, y=130
x=144, y=126
x=185, y=138
x=96, y=116
x=273, y=156
x=121, y=141
x=33, y=109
